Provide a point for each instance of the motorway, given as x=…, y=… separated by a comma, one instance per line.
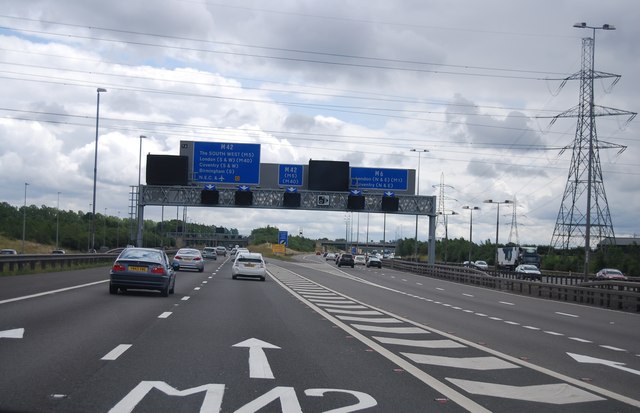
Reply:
x=311, y=338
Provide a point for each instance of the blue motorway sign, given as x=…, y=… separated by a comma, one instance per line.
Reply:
x=226, y=163
x=290, y=175
x=283, y=238
x=379, y=178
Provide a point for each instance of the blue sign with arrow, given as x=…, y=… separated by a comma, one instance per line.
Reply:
x=379, y=178
x=226, y=163
x=283, y=238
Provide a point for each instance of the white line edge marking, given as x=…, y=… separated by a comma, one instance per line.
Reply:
x=116, y=352
x=506, y=303
x=166, y=314
x=427, y=379
x=26, y=297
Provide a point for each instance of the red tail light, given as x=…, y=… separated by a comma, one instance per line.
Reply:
x=118, y=268
x=197, y=259
x=177, y=257
x=157, y=270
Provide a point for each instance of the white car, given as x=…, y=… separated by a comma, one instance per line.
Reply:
x=528, y=271
x=359, y=260
x=481, y=265
x=330, y=256
x=249, y=264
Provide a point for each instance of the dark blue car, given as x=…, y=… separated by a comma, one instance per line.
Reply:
x=142, y=269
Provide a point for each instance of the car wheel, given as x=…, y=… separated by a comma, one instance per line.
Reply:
x=165, y=291
x=352, y=266
x=173, y=288
x=201, y=270
x=262, y=278
x=113, y=289
x=234, y=277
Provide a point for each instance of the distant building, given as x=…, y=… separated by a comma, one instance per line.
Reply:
x=619, y=241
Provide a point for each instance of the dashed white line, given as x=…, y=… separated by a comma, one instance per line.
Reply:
x=185, y=298
x=166, y=314
x=468, y=295
x=495, y=318
x=439, y=289
x=418, y=283
x=613, y=348
x=506, y=303
x=531, y=328
x=197, y=288
x=480, y=314
x=553, y=333
x=116, y=352
x=513, y=323
x=581, y=340
x=567, y=314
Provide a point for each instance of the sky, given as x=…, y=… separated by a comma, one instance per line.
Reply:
x=365, y=81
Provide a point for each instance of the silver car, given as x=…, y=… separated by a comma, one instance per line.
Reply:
x=188, y=258
x=210, y=252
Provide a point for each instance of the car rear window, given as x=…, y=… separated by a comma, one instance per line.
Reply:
x=248, y=259
x=134, y=254
x=347, y=256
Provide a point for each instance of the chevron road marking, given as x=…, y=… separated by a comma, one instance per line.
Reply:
x=561, y=393
x=421, y=343
x=471, y=363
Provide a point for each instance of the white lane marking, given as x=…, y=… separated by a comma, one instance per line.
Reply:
x=355, y=312
x=15, y=333
x=395, y=330
x=560, y=393
x=495, y=318
x=327, y=299
x=418, y=283
x=613, y=348
x=446, y=305
x=480, y=314
x=439, y=289
x=166, y=314
x=567, y=314
x=26, y=297
x=553, y=333
x=531, y=328
x=352, y=307
x=116, y=352
x=404, y=279
x=456, y=308
x=318, y=294
x=343, y=301
x=369, y=319
x=470, y=363
x=582, y=340
x=467, y=295
x=211, y=277
x=204, y=282
x=197, y=288
x=513, y=323
x=506, y=303
x=420, y=343
x=468, y=311
x=185, y=298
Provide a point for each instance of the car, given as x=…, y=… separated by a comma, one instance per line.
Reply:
x=330, y=256
x=209, y=252
x=346, y=259
x=142, y=269
x=373, y=261
x=360, y=260
x=8, y=251
x=58, y=252
x=610, y=274
x=222, y=251
x=188, y=258
x=481, y=265
x=528, y=271
x=249, y=264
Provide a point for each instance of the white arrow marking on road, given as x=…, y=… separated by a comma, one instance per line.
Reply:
x=472, y=363
x=258, y=364
x=15, y=333
x=560, y=393
x=592, y=360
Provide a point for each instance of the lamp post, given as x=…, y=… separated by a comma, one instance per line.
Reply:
x=420, y=152
x=118, y=231
x=471, y=209
x=95, y=171
x=57, y=220
x=139, y=232
x=104, y=231
x=587, y=236
x=24, y=216
x=491, y=201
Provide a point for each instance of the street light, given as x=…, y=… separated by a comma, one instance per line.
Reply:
x=139, y=232
x=24, y=216
x=587, y=236
x=104, y=231
x=95, y=171
x=491, y=201
x=471, y=209
x=420, y=152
